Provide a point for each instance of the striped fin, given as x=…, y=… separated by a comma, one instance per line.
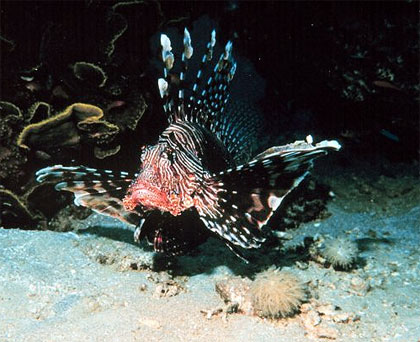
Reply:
x=205, y=103
x=239, y=129
x=99, y=190
x=163, y=83
x=207, y=57
x=170, y=92
x=186, y=55
x=208, y=104
x=248, y=195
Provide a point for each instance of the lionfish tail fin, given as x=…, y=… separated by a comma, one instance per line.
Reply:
x=99, y=190
x=249, y=194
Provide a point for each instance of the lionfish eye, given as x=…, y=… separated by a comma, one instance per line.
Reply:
x=170, y=155
x=172, y=136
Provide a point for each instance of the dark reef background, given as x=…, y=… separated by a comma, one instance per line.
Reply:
x=337, y=70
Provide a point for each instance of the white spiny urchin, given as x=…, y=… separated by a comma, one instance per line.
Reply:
x=340, y=252
x=276, y=294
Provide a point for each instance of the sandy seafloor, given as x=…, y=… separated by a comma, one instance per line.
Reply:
x=95, y=284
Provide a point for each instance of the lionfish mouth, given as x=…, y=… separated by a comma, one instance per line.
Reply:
x=148, y=197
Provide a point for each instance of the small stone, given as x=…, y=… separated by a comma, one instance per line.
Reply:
x=326, y=309
x=311, y=319
x=343, y=317
x=326, y=332
x=236, y=291
x=306, y=307
x=302, y=265
x=283, y=235
x=151, y=323
x=167, y=289
x=359, y=286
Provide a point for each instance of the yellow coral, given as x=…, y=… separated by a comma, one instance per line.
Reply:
x=38, y=111
x=14, y=210
x=9, y=109
x=90, y=73
x=60, y=129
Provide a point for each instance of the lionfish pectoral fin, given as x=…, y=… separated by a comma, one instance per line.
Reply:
x=248, y=194
x=138, y=233
x=99, y=190
x=236, y=251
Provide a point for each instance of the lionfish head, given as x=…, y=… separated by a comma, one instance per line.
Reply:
x=168, y=177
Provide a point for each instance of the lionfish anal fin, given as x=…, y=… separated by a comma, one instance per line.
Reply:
x=173, y=235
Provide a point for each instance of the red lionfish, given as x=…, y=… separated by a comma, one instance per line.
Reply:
x=193, y=183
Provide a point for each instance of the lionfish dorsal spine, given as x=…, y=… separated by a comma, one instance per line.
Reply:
x=195, y=98
x=168, y=61
x=186, y=55
x=206, y=101
x=218, y=87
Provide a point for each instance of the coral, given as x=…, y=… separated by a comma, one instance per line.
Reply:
x=38, y=197
x=374, y=60
x=119, y=25
x=127, y=115
x=340, y=252
x=277, y=294
x=10, y=116
x=78, y=122
x=102, y=154
x=14, y=211
x=11, y=157
x=69, y=100
x=7, y=109
x=12, y=160
x=68, y=218
x=60, y=129
x=90, y=73
x=98, y=131
x=38, y=111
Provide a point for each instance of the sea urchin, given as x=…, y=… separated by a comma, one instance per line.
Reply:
x=276, y=294
x=340, y=252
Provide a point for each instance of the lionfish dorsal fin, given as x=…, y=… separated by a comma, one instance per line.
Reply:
x=204, y=102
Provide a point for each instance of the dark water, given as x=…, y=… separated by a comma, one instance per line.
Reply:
x=336, y=70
